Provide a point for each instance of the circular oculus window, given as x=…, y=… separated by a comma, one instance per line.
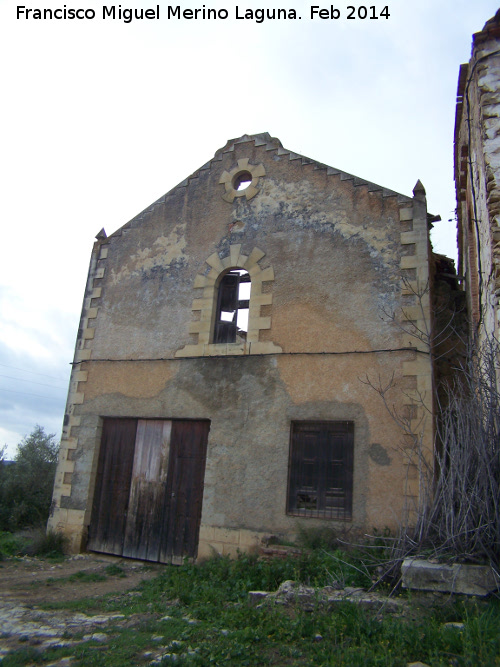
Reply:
x=242, y=181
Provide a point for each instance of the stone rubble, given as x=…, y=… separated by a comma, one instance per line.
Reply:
x=290, y=592
x=20, y=624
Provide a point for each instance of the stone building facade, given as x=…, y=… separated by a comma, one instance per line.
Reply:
x=477, y=178
x=230, y=341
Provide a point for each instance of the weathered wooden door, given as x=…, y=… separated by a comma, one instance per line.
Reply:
x=112, y=489
x=184, y=490
x=145, y=513
x=153, y=510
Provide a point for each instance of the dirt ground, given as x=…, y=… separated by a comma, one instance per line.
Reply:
x=32, y=581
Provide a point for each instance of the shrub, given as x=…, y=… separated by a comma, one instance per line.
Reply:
x=26, y=485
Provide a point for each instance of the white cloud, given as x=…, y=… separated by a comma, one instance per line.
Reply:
x=101, y=118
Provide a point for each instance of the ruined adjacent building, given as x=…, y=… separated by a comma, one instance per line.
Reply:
x=477, y=178
x=232, y=340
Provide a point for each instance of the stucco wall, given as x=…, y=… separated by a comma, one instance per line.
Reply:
x=477, y=176
x=333, y=252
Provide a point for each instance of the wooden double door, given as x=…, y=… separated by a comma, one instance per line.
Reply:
x=149, y=489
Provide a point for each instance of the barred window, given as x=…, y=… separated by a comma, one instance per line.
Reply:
x=321, y=469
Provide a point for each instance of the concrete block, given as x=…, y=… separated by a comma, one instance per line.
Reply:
x=83, y=355
x=190, y=351
x=202, y=304
x=226, y=536
x=405, y=214
x=409, y=262
x=206, y=533
x=243, y=164
x=255, y=271
x=199, y=326
x=249, y=539
x=215, y=349
x=215, y=262
x=267, y=274
x=70, y=443
x=411, y=486
x=255, y=256
x=261, y=299
x=410, y=237
x=199, y=281
x=263, y=322
x=88, y=334
x=234, y=253
x=236, y=349
x=241, y=261
x=461, y=578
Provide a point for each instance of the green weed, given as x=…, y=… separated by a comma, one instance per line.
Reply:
x=200, y=615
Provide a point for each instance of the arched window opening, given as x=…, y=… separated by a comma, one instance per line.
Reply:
x=233, y=299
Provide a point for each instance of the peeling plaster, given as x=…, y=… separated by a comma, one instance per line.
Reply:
x=164, y=251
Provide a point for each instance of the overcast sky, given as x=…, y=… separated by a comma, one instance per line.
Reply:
x=101, y=117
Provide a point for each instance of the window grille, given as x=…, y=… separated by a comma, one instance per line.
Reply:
x=321, y=469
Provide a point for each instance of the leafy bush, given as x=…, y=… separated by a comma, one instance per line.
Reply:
x=26, y=485
x=10, y=545
x=49, y=545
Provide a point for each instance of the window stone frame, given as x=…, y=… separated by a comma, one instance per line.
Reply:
x=203, y=326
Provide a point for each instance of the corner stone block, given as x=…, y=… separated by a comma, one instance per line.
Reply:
x=190, y=351
x=199, y=281
x=409, y=262
x=234, y=253
x=255, y=256
x=236, y=349
x=267, y=274
x=215, y=262
x=461, y=578
x=227, y=536
x=243, y=163
x=249, y=539
x=405, y=214
x=83, y=355
x=206, y=532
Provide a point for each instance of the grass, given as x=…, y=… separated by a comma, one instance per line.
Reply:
x=32, y=542
x=199, y=615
